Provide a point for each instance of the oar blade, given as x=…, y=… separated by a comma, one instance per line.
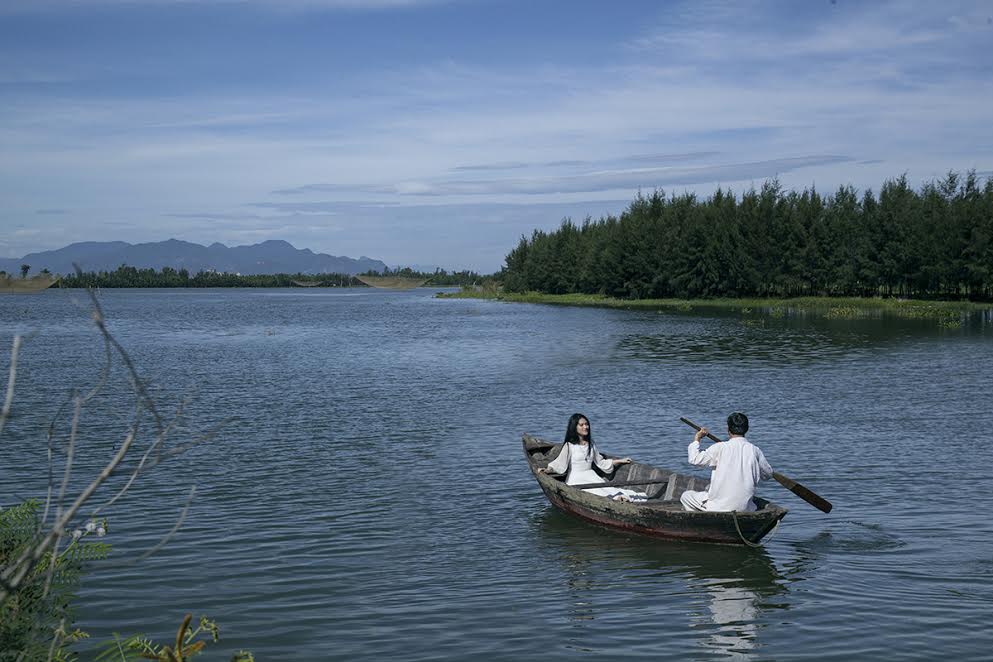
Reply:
x=815, y=500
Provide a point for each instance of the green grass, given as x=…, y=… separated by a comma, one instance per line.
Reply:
x=947, y=313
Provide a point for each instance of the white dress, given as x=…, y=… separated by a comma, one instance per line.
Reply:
x=575, y=459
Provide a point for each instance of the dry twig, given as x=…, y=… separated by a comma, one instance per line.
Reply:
x=14, y=575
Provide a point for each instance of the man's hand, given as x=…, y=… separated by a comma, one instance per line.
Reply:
x=700, y=434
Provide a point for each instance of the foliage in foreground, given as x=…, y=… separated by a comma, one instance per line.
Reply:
x=189, y=643
x=36, y=621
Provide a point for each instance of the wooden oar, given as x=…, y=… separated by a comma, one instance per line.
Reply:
x=796, y=488
x=623, y=484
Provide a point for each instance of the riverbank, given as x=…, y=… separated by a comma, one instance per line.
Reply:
x=947, y=313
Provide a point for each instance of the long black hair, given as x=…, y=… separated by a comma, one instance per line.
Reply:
x=572, y=437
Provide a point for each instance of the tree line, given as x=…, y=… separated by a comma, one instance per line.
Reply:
x=437, y=278
x=128, y=276
x=935, y=242
x=25, y=269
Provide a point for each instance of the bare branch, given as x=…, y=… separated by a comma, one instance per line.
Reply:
x=51, y=567
x=9, y=399
x=136, y=381
x=104, y=372
x=178, y=450
x=59, y=634
x=168, y=536
x=69, y=453
x=50, y=439
x=144, y=457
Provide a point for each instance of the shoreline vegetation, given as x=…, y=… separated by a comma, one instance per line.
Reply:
x=911, y=254
x=947, y=313
x=132, y=277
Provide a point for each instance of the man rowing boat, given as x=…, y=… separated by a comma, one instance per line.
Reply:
x=738, y=465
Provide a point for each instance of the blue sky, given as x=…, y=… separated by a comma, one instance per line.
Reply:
x=429, y=132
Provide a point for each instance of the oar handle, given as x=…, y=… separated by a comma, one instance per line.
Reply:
x=698, y=428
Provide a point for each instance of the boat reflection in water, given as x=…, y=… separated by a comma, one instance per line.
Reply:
x=734, y=610
x=678, y=597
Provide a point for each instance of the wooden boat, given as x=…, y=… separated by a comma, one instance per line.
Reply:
x=662, y=515
x=33, y=285
x=392, y=282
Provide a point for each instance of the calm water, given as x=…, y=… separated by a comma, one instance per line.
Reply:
x=367, y=496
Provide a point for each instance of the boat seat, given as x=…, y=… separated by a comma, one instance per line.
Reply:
x=657, y=490
x=630, y=473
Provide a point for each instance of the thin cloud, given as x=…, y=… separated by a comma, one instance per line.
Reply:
x=566, y=164
x=491, y=166
x=220, y=216
x=329, y=207
x=638, y=158
x=668, y=158
x=712, y=32
x=36, y=6
x=588, y=183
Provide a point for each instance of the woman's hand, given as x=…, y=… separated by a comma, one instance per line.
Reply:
x=621, y=460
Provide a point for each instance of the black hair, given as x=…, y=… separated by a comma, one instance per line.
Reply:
x=572, y=437
x=737, y=423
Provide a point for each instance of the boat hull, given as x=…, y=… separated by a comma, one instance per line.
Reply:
x=33, y=285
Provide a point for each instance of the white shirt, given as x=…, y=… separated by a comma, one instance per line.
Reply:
x=738, y=466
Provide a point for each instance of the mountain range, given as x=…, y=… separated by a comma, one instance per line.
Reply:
x=268, y=257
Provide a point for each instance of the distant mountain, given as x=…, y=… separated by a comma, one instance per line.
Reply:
x=269, y=257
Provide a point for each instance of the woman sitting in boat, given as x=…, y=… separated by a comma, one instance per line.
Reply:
x=577, y=457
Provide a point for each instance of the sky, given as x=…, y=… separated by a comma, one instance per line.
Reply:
x=436, y=133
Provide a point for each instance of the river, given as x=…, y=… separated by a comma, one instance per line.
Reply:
x=363, y=494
